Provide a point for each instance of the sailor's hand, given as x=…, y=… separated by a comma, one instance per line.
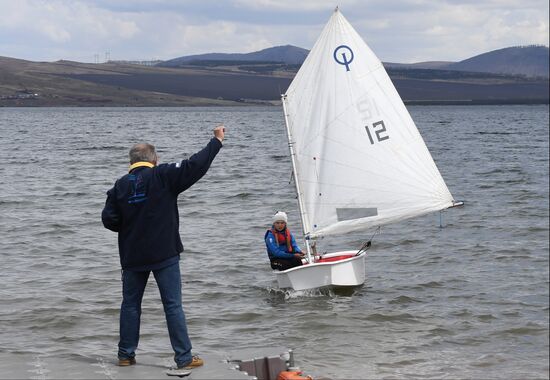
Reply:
x=219, y=132
x=299, y=255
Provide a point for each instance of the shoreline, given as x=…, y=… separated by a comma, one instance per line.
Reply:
x=236, y=104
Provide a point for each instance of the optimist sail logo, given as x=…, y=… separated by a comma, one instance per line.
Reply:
x=343, y=55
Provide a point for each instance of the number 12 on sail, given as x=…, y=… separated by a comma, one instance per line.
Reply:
x=379, y=130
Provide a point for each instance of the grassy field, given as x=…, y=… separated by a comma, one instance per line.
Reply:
x=67, y=83
x=57, y=84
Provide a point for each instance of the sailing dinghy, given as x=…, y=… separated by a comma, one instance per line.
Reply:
x=358, y=159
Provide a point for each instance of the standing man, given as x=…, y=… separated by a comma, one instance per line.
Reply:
x=142, y=208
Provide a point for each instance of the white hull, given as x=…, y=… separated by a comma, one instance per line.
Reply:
x=346, y=272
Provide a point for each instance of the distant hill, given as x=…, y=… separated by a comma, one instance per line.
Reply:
x=260, y=78
x=530, y=61
x=287, y=54
x=64, y=83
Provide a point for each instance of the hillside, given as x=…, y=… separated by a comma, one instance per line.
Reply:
x=531, y=61
x=288, y=54
x=26, y=83
x=226, y=82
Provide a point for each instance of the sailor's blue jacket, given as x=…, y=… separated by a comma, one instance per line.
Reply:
x=279, y=251
x=142, y=208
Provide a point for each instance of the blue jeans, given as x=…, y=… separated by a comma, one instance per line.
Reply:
x=169, y=284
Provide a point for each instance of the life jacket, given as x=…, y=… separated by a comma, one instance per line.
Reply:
x=282, y=237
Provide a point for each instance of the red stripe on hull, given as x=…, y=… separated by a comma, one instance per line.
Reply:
x=334, y=258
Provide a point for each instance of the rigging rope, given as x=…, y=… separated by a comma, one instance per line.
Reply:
x=368, y=244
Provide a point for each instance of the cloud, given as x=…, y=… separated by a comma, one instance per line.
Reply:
x=458, y=30
x=290, y=5
x=397, y=30
x=54, y=32
x=75, y=28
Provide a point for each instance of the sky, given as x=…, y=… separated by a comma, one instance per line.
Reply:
x=403, y=31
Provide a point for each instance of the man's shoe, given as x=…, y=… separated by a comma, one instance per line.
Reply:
x=194, y=363
x=126, y=362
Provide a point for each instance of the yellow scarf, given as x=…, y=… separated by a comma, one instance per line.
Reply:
x=139, y=164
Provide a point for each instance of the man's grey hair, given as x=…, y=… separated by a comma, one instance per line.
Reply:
x=143, y=152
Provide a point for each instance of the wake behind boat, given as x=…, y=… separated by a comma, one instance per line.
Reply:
x=358, y=159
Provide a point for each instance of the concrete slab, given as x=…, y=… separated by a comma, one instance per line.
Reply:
x=36, y=367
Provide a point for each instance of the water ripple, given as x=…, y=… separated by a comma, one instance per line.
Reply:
x=466, y=301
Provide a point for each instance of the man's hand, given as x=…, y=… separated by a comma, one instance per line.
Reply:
x=219, y=132
x=299, y=255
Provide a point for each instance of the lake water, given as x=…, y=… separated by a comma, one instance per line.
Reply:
x=469, y=300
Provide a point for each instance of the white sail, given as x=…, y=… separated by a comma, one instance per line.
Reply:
x=359, y=158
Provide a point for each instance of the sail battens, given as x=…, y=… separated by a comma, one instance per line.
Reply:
x=355, y=145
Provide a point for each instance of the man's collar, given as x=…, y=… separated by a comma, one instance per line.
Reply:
x=140, y=164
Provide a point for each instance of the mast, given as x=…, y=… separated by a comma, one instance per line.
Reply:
x=296, y=182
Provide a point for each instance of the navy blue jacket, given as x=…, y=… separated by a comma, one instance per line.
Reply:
x=142, y=208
